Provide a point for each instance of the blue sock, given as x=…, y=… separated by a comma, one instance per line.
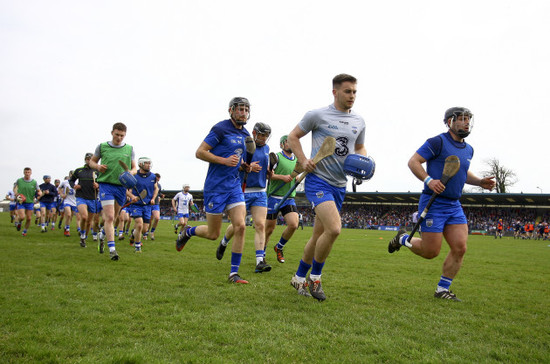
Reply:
x=153, y=230
x=444, y=284
x=404, y=239
x=191, y=231
x=111, y=244
x=235, y=262
x=303, y=268
x=316, y=268
x=281, y=243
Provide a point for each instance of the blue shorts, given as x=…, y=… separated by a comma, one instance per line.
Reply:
x=181, y=216
x=442, y=212
x=155, y=208
x=98, y=207
x=318, y=191
x=143, y=211
x=13, y=207
x=108, y=192
x=26, y=206
x=255, y=199
x=216, y=203
x=91, y=204
x=272, y=201
x=48, y=205
x=73, y=208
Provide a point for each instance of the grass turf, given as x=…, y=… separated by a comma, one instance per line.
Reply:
x=63, y=303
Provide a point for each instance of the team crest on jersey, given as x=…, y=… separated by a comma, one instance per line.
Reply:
x=211, y=205
x=239, y=151
x=354, y=130
x=320, y=194
x=429, y=222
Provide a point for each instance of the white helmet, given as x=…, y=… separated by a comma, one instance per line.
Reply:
x=185, y=185
x=144, y=160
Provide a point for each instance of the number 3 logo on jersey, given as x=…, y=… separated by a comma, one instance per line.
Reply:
x=341, y=146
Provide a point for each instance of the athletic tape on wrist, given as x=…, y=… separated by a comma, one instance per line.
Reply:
x=427, y=180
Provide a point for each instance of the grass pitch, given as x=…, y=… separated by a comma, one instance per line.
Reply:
x=63, y=303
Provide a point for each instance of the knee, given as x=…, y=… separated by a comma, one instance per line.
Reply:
x=292, y=225
x=459, y=250
x=333, y=232
x=430, y=254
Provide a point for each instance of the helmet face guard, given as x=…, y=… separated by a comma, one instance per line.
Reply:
x=235, y=106
x=458, y=116
x=143, y=160
x=359, y=166
x=262, y=129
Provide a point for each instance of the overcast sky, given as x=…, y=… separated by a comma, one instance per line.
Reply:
x=167, y=69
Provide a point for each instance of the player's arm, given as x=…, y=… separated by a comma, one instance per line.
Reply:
x=360, y=149
x=203, y=153
x=94, y=164
x=174, y=204
x=133, y=168
x=294, y=141
x=487, y=182
x=415, y=165
x=155, y=194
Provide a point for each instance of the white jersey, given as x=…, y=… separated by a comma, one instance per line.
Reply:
x=11, y=196
x=347, y=128
x=182, y=202
x=70, y=199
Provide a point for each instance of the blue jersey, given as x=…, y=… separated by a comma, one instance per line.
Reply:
x=258, y=179
x=225, y=140
x=435, y=150
x=145, y=181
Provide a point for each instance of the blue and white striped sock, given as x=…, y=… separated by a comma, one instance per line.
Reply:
x=260, y=254
x=235, y=262
x=281, y=243
x=444, y=284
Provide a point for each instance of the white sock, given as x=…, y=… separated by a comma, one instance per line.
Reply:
x=315, y=277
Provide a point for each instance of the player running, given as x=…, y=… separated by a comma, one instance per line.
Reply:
x=280, y=184
x=140, y=209
x=325, y=185
x=182, y=203
x=445, y=218
x=223, y=149
x=255, y=196
x=25, y=189
x=112, y=193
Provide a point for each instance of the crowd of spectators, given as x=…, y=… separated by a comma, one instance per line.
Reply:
x=356, y=216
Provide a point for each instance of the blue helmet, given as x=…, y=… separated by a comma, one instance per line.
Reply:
x=359, y=166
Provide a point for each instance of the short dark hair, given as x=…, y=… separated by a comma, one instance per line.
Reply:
x=27, y=169
x=157, y=175
x=119, y=126
x=341, y=78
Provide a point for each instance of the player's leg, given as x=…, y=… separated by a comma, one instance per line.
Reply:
x=329, y=217
x=220, y=250
x=259, y=216
x=457, y=238
x=291, y=219
x=28, y=218
x=137, y=232
x=270, y=224
x=68, y=218
x=43, y=216
x=237, y=215
x=52, y=213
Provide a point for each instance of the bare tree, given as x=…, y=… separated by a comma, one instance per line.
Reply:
x=504, y=177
